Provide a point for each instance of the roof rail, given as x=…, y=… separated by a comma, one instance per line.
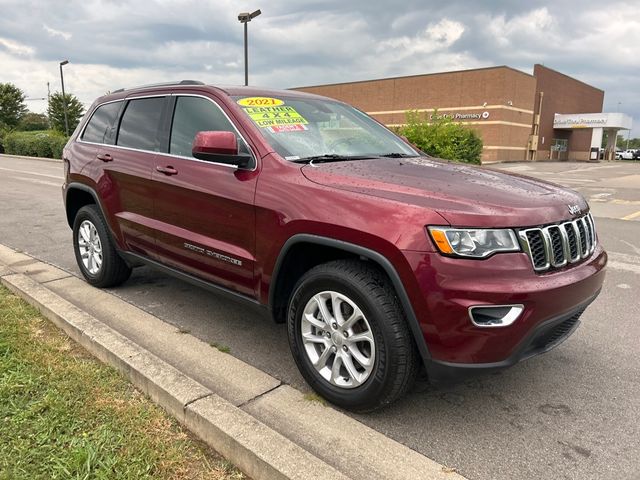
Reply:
x=166, y=84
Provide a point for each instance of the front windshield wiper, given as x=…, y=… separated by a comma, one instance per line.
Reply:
x=398, y=155
x=331, y=157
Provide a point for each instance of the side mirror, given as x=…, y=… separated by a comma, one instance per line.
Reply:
x=219, y=147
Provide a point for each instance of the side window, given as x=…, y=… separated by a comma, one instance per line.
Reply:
x=100, y=124
x=193, y=115
x=140, y=124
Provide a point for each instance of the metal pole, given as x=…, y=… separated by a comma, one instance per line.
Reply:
x=246, y=57
x=64, y=103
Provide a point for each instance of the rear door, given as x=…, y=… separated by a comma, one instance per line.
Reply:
x=204, y=211
x=125, y=185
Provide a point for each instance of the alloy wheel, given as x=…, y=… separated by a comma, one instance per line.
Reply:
x=90, y=247
x=338, y=340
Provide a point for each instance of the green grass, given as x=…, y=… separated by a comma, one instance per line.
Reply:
x=36, y=132
x=222, y=348
x=314, y=397
x=64, y=415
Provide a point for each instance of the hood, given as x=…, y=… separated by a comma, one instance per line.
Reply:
x=464, y=195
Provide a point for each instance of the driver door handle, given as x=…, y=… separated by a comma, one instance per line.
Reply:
x=168, y=170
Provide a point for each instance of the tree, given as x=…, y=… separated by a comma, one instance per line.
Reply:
x=33, y=121
x=623, y=141
x=55, y=111
x=441, y=137
x=12, y=105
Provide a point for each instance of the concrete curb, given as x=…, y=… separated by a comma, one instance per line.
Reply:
x=22, y=157
x=255, y=448
x=269, y=432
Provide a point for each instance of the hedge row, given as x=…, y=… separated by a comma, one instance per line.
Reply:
x=47, y=144
x=441, y=137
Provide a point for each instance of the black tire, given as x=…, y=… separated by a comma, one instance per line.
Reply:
x=113, y=270
x=396, y=357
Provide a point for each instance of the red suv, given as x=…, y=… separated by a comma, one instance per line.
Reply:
x=380, y=259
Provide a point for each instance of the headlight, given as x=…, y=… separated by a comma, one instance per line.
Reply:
x=474, y=242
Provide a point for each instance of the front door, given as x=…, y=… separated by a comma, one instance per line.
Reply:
x=204, y=212
x=559, y=149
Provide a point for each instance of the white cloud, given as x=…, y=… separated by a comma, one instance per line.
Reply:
x=16, y=48
x=116, y=43
x=437, y=36
x=531, y=29
x=56, y=33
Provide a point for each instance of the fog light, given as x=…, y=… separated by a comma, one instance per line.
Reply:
x=494, y=315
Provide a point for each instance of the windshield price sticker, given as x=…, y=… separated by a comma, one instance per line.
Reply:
x=266, y=117
x=259, y=102
x=296, y=127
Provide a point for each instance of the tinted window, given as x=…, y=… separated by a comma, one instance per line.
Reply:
x=193, y=115
x=101, y=122
x=140, y=124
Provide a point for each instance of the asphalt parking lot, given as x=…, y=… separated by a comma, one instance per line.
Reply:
x=572, y=413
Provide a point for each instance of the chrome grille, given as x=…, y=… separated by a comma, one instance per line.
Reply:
x=555, y=246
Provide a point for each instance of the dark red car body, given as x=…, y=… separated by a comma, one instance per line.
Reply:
x=263, y=217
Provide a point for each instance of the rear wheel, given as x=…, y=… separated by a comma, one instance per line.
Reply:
x=95, y=252
x=349, y=337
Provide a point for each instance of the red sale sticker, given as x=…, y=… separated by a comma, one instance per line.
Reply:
x=296, y=127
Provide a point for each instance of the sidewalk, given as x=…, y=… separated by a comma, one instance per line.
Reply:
x=268, y=429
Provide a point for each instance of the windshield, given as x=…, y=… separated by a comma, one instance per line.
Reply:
x=301, y=128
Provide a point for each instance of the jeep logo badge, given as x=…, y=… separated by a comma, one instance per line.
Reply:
x=574, y=209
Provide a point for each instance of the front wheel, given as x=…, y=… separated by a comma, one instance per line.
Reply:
x=349, y=337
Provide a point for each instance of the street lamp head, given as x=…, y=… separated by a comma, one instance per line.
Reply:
x=245, y=17
x=64, y=62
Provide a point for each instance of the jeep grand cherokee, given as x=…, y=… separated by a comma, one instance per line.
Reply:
x=380, y=259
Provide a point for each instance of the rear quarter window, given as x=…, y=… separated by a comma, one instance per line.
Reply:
x=99, y=127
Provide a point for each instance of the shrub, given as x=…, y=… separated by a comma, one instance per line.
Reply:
x=4, y=131
x=35, y=144
x=33, y=121
x=442, y=137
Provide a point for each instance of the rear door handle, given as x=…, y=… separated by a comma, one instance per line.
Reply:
x=105, y=157
x=168, y=170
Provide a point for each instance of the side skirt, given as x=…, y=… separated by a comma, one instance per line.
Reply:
x=136, y=259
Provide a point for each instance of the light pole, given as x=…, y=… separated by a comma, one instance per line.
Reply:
x=64, y=98
x=245, y=18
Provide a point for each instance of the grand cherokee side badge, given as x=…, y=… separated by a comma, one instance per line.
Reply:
x=574, y=209
x=211, y=253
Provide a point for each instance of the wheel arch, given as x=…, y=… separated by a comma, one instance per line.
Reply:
x=282, y=285
x=77, y=195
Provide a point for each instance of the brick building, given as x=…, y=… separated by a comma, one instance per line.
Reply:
x=511, y=110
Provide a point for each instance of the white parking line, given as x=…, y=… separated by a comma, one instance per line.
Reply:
x=57, y=177
x=624, y=261
x=628, y=267
x=39, y=182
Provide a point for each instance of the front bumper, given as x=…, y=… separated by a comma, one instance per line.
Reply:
x=541, y=339
x=447, y=287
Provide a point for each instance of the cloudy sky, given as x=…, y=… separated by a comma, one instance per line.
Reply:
x=116, y=43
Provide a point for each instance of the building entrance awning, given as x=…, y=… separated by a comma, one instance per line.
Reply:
x=614, y=121
x=599, y=123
